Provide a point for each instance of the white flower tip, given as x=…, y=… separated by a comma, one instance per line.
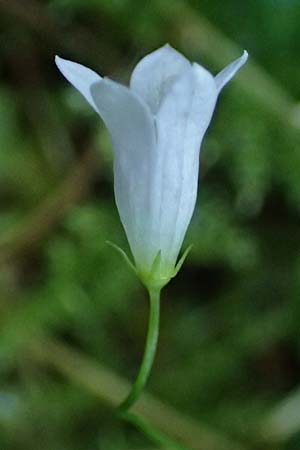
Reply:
x=244, y=56
x=79, y=76
x=228, y=73
x=64, y=65
x=59, y=61
x=167, y=49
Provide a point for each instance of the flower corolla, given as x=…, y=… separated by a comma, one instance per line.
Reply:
x=156, y=126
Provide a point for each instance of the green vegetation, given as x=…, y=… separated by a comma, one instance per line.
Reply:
x=73, y=317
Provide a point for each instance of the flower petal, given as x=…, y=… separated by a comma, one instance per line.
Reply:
x=181, y=123
x=228, y=73
x=132, y=129
x=79, y=76
x=154, y=74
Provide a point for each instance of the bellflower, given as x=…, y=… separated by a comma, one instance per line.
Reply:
x=156, y=127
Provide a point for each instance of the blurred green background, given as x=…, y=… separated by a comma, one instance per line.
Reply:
x=72, y=317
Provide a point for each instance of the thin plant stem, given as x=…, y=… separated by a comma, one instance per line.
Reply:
x=155, y=435
x=149, y=353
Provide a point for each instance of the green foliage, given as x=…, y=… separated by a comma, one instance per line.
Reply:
x=229, y=346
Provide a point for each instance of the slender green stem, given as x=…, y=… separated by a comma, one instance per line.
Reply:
x=149, y=353
x=153, y=434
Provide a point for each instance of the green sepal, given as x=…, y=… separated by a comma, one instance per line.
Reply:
x=181, y=260
x=154, y=279
x=155, y=265
x=123, y=255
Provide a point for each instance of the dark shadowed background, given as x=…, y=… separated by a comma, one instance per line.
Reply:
x=72, y=316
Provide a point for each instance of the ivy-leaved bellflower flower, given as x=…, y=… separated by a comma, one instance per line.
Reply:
x=156, y=126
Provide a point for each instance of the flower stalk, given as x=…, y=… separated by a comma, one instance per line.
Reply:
x=149, y=353
x=124, y=410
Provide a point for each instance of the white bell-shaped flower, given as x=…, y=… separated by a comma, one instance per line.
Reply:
x=156, y=127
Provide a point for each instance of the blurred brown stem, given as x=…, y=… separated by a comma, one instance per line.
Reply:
x=35, y=227
x=53, y=29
